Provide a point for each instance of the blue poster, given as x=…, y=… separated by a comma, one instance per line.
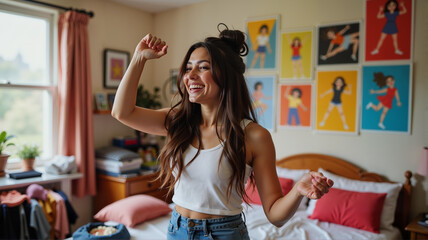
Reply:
x=262, y=92
x=386, y=98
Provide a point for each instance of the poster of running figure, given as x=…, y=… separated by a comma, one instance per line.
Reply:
x=388, y=30
x=296, y=55
x=295, y=104
x=262, y=43
x=262, y=91
x=339, y=44
x=386, y=98
x=336, y=108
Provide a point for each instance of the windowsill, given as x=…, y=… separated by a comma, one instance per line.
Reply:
x=7, y=183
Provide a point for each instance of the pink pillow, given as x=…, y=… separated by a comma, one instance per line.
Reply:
x=360, y=210
x=253, y=194
x=133, y=210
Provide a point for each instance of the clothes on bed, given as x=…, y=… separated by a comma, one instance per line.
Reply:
x=202, y=186
x=231, y=227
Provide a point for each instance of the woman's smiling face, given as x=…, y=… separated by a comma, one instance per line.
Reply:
x=198, y=78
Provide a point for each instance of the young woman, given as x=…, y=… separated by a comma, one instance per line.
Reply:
x=214, y=143
x=343, y=42
x=262, y=46
x=296, y=59
x=338, y=88
x=385, y=101
x=390, y=12
x=258, y=95
x=294, y=101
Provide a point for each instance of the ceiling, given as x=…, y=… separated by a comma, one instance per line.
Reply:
x=155, y=6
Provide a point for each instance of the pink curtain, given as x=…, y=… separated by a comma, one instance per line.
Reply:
x=75, y=99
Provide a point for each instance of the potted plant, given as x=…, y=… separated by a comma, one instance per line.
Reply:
x=4, y=142
x=28, y=154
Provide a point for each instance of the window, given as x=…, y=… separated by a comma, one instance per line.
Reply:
x=28, y=92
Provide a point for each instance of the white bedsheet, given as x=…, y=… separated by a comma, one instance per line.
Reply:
x=299, y=227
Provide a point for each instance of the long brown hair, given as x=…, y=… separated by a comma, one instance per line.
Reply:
x=184, y=118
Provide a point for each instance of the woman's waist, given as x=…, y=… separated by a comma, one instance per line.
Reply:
x=187, y=215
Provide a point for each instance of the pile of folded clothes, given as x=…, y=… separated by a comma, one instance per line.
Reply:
x=115, y=161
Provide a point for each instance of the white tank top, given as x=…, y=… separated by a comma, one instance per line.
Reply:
x=202, y=186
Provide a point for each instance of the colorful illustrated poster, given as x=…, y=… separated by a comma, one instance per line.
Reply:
x=336, y=108
x=262, y=91
x=295, y=105
x=296, y=55
x=388, y=30
x=386, y=98
x=339, y=44
x=262, y=43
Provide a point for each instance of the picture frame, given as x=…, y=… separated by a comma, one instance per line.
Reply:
x=337, y=112
x=384, y=111
x=262, y=43
x=262, y=90
x=339, y=43
x=295, y=105
x=380, y=42
x=173, y=75
x=115, y=64
x=296, y=54
x=101, y=102
x=110, y=99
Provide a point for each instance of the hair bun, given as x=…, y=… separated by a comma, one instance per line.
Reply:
x=234, y=38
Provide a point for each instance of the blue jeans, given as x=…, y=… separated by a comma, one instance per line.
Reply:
x=182, y=228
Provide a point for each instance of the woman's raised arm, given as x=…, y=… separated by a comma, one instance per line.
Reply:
x=124, y=108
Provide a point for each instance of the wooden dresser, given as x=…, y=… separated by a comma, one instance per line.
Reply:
x=111, y=189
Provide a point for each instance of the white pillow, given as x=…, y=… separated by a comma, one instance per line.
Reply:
x=391, y=189
x=294, y=174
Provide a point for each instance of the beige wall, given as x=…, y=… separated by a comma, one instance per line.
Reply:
x=387, y=154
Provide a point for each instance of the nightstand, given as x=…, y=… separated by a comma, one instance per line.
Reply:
x=416, y=230
x=111, y=189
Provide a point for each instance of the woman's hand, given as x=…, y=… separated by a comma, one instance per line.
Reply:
x=314, y=185
x=150, y=47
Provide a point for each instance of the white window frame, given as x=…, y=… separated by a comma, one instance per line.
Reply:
x=52, y=17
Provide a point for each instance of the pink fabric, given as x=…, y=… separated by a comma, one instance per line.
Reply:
x=353, y=209
x=253, y=193
x=36, y=191
x=61, y=220
x=13, y=198
x=133, y=210
x=75, y=99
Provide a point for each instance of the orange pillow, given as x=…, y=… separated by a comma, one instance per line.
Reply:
x=133, y=210
x=253, y=194
x=360, y=210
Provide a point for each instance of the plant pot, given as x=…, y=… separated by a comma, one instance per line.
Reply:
x=3, y=162
x=28, y=164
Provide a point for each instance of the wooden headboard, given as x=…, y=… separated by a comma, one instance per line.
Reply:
x=341, y=167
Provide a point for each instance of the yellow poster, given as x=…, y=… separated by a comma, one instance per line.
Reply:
x=296, y=55
x=336, y=108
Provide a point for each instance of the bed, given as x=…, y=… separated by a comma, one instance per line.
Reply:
x=300, y=226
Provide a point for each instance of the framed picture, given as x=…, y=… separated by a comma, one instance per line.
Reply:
x=262, y=91
x=101, y=102
x=173, y=77
x=115, y=64
x=389, y=30
x=387, y=94
x=338, y=43
x=262, y=43
x=336, y=101
x=295, y=105
x=110, y=99
x=296, y=55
